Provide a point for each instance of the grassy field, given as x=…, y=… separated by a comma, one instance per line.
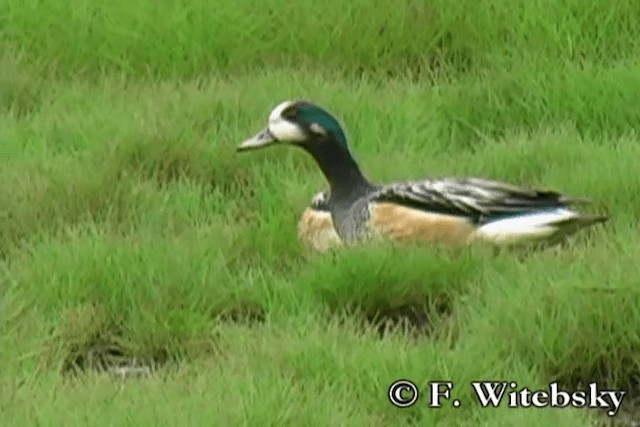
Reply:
x=131, y=231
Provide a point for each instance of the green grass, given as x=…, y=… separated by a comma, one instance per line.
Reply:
x=131, y=230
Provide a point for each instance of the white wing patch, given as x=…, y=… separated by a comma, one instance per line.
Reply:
x=471, y=197
x=534, y=226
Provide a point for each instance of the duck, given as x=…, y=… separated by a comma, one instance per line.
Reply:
x=450, y=210
x=315, y=226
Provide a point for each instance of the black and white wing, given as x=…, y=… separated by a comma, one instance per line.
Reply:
x=475, y=198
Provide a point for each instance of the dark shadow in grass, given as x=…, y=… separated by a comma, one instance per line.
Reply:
x=247, y=314
x=20, y=88
x=419, y=318
x=603, y=375
x=416, y=319
x=401, y=288
x=104, y=354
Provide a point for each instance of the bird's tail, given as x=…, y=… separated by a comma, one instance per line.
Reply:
x=568, y=226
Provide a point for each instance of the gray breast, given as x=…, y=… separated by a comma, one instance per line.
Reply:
x=350, y=221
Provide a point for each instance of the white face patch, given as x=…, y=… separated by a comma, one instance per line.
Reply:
x=282, y=129
x=276, y=113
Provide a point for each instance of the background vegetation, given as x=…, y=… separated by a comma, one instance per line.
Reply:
x=131, y=232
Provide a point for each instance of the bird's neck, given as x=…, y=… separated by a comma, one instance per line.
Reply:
x=341, y=171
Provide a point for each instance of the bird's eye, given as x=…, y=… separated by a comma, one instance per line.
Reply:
x=290, y=112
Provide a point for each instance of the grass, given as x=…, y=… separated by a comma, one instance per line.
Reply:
x=131, y=231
